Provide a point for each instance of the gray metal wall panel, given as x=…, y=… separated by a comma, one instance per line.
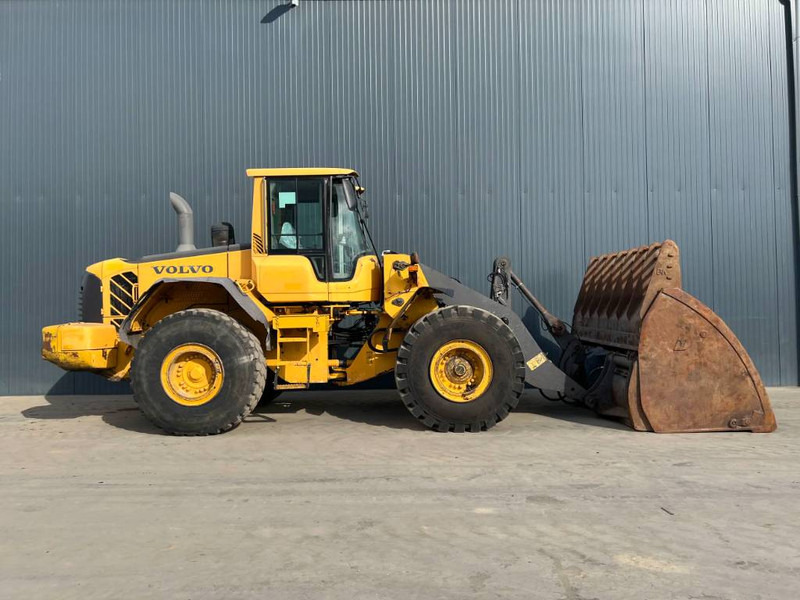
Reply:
x=38, y=262
x=551, y=163
x=426, y=143
x=546, y=130
x=677, y=150
x=6, y=199
x=365, y=131
x=786, y=270
x=615, y=192
x=742, y=206
x=487, y=108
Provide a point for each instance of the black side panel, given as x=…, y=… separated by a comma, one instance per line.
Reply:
x=90, y=303
x=187, y=253
x=543, y=375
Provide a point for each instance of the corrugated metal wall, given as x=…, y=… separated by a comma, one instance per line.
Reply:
x=548, y=130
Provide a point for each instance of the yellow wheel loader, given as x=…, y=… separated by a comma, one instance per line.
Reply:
x=204, y=335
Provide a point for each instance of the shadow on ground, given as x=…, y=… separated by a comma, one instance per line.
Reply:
x=379, y=408
x=119, y=411
x=534, y=403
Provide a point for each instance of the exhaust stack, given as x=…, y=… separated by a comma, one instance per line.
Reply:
x=185, y=222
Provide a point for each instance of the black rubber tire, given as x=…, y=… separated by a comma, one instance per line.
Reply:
x=412, y=372
x=270, y=394
x=242, y=360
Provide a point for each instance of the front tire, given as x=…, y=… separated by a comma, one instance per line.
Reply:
x=198, y=372
x=460, y=369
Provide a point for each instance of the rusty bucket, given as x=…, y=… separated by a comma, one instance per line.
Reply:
x=670, y=364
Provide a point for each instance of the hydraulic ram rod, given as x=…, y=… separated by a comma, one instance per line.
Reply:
x=554, y=324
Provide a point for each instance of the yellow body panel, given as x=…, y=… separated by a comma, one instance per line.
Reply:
x=399, y=287
x=184, y=267
x=235, y=265
x=288, y=278
x=301, y=172
x=80, y=346
x=300, y=353
x=97, y=268
x=365, y=286
x=258, y=237
x=240, y=264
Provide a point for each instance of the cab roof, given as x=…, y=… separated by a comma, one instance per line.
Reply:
x=300, y=172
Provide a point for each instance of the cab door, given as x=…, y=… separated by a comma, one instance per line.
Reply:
x=355, y=274
x=294, y=266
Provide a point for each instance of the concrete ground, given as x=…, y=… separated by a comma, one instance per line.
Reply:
x=343, y=495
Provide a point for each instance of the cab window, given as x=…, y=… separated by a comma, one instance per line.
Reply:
x=296, y=219
x=348, y=242
x=296, y=215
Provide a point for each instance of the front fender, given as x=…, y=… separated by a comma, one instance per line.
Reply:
x=541, y=372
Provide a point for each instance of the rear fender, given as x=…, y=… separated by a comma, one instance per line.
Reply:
x=228, y=291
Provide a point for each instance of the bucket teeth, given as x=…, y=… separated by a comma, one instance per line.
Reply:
x=619, y=288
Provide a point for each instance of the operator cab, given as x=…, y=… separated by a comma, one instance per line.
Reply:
x=315, y=227
x=299, y=207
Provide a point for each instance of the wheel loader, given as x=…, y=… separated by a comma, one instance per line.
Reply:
x=203, y=335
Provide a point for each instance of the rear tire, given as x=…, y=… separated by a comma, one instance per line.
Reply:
x=198, y=372
x=425, y=346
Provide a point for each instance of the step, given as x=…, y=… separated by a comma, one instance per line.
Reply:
x=291, y=386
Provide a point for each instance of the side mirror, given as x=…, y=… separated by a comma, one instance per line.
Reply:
x=350, y=196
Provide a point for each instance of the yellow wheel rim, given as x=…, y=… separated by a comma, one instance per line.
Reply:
x=461, y=371
x=191, y=374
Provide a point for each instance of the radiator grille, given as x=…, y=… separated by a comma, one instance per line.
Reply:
x=123, y=293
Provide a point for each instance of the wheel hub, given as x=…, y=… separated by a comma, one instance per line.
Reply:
x=191, y=374
x=459, y=367
x=461, y=371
